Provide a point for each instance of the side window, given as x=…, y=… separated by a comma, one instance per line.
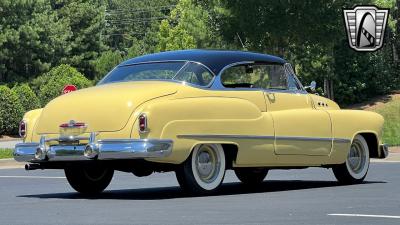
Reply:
x=195, y=74
x=265, y=76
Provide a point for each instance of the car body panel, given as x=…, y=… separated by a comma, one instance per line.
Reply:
x=270, y=128
x=103, y=108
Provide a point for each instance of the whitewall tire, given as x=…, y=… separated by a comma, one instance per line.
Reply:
x=204, y=170
x=356, y=166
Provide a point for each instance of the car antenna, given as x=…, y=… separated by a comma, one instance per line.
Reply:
x=241, y=42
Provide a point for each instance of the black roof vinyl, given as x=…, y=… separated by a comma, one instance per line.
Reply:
x=216, y=60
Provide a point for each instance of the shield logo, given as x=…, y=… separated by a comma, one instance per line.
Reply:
x=365, y=26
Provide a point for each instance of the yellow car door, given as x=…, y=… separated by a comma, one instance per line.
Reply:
x=299, y=128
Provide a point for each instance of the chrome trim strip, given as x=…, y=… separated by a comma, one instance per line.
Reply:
x=173, y=60
x=107, y=149
x=338, y=140
x=224, y=136
x=303, y=138
x=341, y=140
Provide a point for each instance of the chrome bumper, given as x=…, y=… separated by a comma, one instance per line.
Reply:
x=384, y=151
x=109, y=149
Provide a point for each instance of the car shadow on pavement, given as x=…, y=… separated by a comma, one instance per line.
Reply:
x=175, y=192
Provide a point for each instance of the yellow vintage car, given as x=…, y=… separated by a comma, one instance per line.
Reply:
x=198, y=113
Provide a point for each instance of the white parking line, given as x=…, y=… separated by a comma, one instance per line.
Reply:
x=365, y=215
x=32, y=177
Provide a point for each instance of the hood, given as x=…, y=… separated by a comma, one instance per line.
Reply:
x=102, y=108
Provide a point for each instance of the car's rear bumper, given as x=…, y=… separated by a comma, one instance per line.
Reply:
x=383, y=151
x=109, y=149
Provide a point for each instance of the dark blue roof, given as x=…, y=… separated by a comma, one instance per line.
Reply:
x=213, y=59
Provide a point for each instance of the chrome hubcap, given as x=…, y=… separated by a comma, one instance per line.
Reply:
x=356, y=157
x=207, y=164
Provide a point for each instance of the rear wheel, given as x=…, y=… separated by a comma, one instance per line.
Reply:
x=89, y=180
x=355, y=169
x=204, y=170
x=251, y=176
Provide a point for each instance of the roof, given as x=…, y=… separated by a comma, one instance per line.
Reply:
x=216, y=60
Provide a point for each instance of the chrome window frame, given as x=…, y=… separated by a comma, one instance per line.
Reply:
x=217, y=85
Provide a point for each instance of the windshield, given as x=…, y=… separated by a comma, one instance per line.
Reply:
x=189, y=72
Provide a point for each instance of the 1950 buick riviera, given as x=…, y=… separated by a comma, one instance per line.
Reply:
x=198, y=113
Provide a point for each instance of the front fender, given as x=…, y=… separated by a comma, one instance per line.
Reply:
x=346, y=124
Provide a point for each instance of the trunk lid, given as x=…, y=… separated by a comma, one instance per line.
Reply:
x=101, y=108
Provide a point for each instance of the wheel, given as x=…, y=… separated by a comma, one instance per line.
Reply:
x=251, y=176
x=355, y=169
x=204, y=170
x=89, y=180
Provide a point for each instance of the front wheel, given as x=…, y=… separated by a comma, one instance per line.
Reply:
x=89, y=180
x=204, y=170
x=355, y=169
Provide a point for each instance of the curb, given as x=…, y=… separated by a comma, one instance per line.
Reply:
x=10, y=139
x=10, y=164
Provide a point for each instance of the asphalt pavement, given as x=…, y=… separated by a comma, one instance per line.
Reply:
x=309, y=196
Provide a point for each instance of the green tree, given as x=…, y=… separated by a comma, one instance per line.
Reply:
x=11, y=111
x=86, y=19
x=107, y=61
x=32, y=39
x=186, y=27
x=128, y=21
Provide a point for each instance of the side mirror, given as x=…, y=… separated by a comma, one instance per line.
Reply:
x=312, y=87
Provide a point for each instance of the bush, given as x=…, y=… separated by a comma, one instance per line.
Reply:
x=11, y=111
x=52, y=83
x=27, y=97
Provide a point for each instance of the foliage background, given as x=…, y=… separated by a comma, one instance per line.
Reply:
x=45, y=44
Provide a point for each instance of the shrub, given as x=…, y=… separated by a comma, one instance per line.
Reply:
x=52, y=83
x=27, y=97
x=11, y=111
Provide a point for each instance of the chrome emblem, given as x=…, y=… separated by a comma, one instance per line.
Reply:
x=72, y=124
x=365, y=26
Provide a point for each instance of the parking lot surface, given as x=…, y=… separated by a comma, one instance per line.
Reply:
x=309, y=196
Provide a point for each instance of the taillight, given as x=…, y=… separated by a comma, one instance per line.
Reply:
x=22, y=129
x=142, y=123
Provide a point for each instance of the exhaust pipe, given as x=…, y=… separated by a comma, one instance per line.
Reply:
x=32, y=166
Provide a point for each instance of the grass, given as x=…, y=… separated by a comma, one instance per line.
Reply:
x=391, y=130
x=5, y=153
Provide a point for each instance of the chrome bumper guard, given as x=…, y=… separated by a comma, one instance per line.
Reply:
x=384, y=151
x=108, y=149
